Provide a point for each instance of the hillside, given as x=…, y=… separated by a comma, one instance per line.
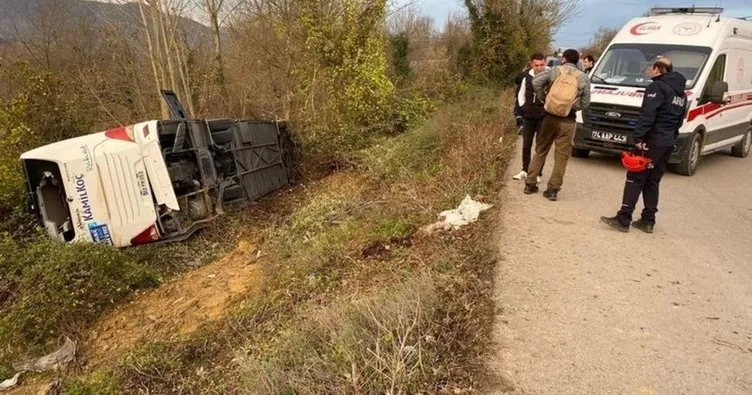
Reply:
x=22, y=19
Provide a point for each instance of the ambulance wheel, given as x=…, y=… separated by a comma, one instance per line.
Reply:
x=691, y=159
x=741, y=150
x=580, y=153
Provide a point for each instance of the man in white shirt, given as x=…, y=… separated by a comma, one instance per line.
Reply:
x=532, y=111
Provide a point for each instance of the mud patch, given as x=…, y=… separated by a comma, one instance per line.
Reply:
x=176, y=308
x=382, y=249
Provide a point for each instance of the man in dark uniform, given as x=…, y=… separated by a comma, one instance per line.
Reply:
x=663, y=109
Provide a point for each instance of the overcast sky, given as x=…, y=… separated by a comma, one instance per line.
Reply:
x=594, y=13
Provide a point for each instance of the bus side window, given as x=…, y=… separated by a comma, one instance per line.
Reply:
x=716, y=74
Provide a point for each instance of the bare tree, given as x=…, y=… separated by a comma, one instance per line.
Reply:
x=161, y=22
x=600, y=41
x=153, y=58
x=267, y=53
x=218, y=11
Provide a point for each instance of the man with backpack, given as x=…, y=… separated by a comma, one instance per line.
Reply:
x=663, y=109
x=564, y=90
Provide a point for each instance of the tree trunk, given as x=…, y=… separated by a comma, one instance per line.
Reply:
x=185, y=78
x=153, y=60
x=167, y=48
x=213, y=7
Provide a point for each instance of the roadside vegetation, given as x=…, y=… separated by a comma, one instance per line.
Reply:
x=395, y=122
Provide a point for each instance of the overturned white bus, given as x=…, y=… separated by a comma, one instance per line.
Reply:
x=155, y=180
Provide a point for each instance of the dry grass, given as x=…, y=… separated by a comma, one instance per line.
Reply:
x=372, y=344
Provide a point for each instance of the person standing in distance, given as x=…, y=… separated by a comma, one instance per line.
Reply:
x=587, y=63
x=532, y=111
x=564, y=90
x=663, y=108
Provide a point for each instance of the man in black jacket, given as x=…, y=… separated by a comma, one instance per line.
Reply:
x=663, y=109
x=531, y=109
x=518, y=80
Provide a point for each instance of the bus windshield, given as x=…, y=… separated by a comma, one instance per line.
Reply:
x=627, y=64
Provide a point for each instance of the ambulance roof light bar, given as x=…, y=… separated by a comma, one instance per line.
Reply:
x=686, y=10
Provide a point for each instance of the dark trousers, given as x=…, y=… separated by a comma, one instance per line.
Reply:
x=529, y=129
x=645, y=183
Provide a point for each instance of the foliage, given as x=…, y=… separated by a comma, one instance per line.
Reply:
x=400, y=44
x=506, y=32
x=498, y=48
x=346, y=47
x=42, y=108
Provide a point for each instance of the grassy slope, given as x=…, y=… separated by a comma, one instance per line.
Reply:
x=50, y=290
x=355, y=300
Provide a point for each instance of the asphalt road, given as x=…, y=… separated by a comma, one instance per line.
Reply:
x=586, y=309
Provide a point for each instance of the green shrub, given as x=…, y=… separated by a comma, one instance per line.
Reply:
x=40, y=109
x=48, y=289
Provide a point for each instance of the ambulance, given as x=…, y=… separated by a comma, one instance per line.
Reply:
x=712, y=51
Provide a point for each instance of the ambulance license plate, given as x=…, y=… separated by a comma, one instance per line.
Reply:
x=611, y=137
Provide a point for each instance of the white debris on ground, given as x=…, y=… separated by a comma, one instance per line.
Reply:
x=10, y=382
x=54, y=360
x=466, y=213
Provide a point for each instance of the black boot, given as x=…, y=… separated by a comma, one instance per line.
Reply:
x=550, y=194
x=530, y=189
x=614, y=223
x=643, y=226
